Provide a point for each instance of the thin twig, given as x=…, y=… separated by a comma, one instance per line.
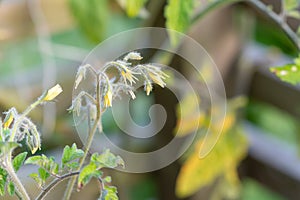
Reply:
x=277, y=19
x=51, y=186
x=91, y=134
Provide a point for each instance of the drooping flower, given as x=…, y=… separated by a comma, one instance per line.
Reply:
x=81, y=74
x=157, y=78
x=127, y=75
x=52, y=93
x=108, y=98
x=8, y=120
x=148, y=87
x=133, y=56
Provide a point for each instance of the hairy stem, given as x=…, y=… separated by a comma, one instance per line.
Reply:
x=91, y=134
x=19, y=186
x=51, y=186
x=20, y=119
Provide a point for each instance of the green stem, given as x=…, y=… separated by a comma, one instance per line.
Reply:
x=19, y=186
x=278, y=20
x=56, y=181
x=21, y=118
x=90, y=138
x=10, y=170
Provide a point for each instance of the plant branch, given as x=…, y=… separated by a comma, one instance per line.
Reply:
x=91, y=134
x=277, y=19
x=21, y=118
x=53, y=184
x=19, y=186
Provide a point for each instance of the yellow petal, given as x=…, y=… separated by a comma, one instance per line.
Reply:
x=108, y=99
x=8, y=120
x=52, y=93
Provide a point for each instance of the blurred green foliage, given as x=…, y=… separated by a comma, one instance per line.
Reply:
x=274, y=121
x=146, y=189
x=270, y=35
x=253, y=190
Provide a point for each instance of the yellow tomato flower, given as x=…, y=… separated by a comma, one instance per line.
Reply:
x=108, y=99
x=8, y=120
x=52, y=93
x=157, y=79
x=127, y=75
x=148, y=88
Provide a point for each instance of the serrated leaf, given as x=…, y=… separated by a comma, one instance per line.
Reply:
x=44, y=162
x=178, y=15
x=19, y=160
x=107, y=159
x=87, y=173
x=222, y=160
x=92, y=16
x=109, y=193
x=11, y=188
x=36, y=178
x=3, y=179
x=70, y=154
x=72, y=165
x=133, y=7
x=289, y=73
x=43, y=174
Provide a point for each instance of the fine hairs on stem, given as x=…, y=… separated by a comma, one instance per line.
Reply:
x=107, y=89
x=13, y=130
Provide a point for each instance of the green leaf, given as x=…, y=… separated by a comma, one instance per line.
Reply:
x=92, y=17
x=107, y=179
x=294, y=13
x=290, y=4
x=44, y=162
x=133, y=7
x=3, y=179
x=178, y=15
x=43, y=174
x=72, y=165
x=107, y=159
x=289, y=73
x=11, y=188
x=19, y=160
x=36, y=178
x=87, y=173
x=70, y=154
x=109, y=193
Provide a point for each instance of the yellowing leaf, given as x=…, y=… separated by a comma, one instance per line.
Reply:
x=178, y=14
x=189, y=117
x=225, y=157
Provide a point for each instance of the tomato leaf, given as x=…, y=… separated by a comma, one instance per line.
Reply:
x=178, y=15
x=19, y=160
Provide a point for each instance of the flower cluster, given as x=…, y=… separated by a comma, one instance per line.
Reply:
x=109, y=86
x=17, y=127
